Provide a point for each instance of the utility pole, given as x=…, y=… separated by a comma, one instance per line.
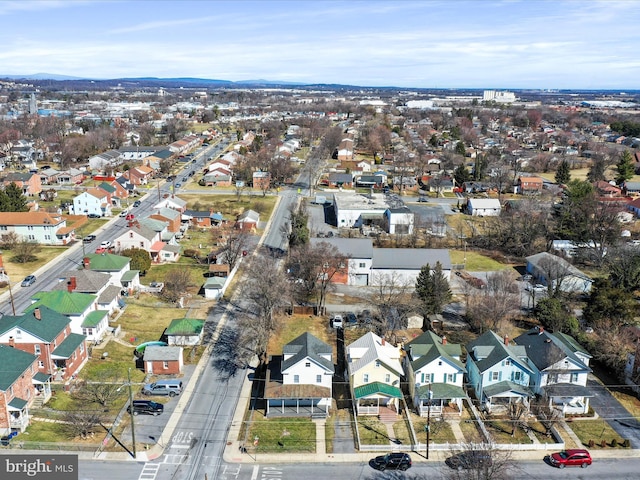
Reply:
x=133, y=431
x=13, y=305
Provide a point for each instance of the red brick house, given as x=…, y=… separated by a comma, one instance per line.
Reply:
x=163, y=360
x=529, y=185
x=261, y=180
x=30, y=183
x=47, y=335
x=248, y=220
x=17, y=388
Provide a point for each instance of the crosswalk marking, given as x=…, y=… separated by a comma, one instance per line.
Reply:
x=149, y=471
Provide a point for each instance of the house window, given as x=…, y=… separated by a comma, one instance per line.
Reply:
x=439, y=363
x=365, y=378
x=450, y=378
x=3, y=227
x=507, y=362
x=31, y=237
x=307, y=364
x=82, y=347
x=387, y=378
x=361, y=265
x=517, y=376
x=318, y=378
x=553, y=378
x=494, y=376
x=11, y=391
x=30, y=227
x=296, y=379
x=165, y=365
x=426, y=378
x=40, y=364
x=574, y=378
x=377, y=363
x=141, y=244
x=36, y=349
x=130, y=234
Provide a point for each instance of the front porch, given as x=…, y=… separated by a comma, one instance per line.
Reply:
x=370, y=398
x=571, y=399
x=439, y=399
x=499, y=396
x=18, y=414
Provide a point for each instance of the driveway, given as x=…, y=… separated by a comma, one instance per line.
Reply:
x=613, y=412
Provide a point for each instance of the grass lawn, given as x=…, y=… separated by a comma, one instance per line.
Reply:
x=90, y=226
x=145, y=323
x=500, y=430
x=120, y=359
x=40, y=431
x=295, y=325
x=470, y=429
x=17, y=271
x=158, y=273
x=628, y=400
x=476, y=262
x=284, y=435
x=229, y=205
x=372, y=431
x=596, y=430
x=440, y=430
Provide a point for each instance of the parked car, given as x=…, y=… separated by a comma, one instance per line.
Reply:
x=178, y=185
x=392, y=461
x=124, y=213
x=137, y=203
x=470, y=460
x=184, y=179
x=351, y=319
x=538, y=287
x=337, y=322
x=163, y=387
x=146, y=406
x=94, y=215
x=571, y=458
x=28, y=281
x=89, y=239
x=101, y=250
x=105, y=244
x=130, y=217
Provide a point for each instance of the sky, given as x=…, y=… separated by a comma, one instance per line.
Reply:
x=556, y=44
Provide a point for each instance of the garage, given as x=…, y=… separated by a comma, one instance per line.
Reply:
x=361, y=279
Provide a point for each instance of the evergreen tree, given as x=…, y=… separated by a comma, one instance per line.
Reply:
x=563, y=173
x=13, y=200
x=461, y=175
x=460, y=150
x=625, y=167
x=432, y=289
x=140, y=259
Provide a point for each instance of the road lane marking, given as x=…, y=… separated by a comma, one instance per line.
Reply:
x=254, y=475
x=149, y=471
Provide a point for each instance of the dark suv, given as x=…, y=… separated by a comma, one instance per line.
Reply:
x=392, y=461
x=146, y=406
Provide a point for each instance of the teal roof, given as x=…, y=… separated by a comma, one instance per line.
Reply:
x=107, y=188
x=94, y=318
x=185, y=326
x=107, y=262
x=47, y=328
x=40, y=377
x=63, y=302
x=377, y=388
x=14, y=363
x=441, y=391
x=17, y=403
x=70, y=345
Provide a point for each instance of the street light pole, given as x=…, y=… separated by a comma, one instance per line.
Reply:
x=133, y=431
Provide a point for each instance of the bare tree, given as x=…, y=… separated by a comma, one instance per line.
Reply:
x=176, y=283
x=103, y=392
x=25, y=251
x=488, y=307
x=233, y=244
x=394, y=300
x=478, y=461
x=82, y=423
x=518, y=412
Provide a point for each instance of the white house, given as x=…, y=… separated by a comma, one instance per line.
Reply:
x=484, y=207
x=40, y=227
x=404, y=264
x=116, y=266
x=399, y=220
x=435, y=374
x=299, y=383
x=94, y=201
x=551, y=269
x=359, y=252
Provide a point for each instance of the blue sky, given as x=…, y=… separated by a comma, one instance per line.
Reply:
x=411, y=43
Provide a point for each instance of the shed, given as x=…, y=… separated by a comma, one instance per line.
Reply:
x=185, y=331
x=214, y=287
x=163, y=360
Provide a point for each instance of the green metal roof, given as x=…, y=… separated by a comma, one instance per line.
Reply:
x=47, y=328
x=70, y=344
x=129, y=275
x=40, y=377
x=107, y=188
x=441, y=391
x=107, y=262
x=185, y=326
x=63, y=302
x=502, y=389
x=94, y=318
x=17, y=404
x=377, y=388
x=14, y=363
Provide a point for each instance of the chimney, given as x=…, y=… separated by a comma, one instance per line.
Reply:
x=12, y=342
x=444, y=339
x=384, y=342
x=86, y=263
x=37, y=314
x=540, y=330
x=71, y=284
x=506, y=340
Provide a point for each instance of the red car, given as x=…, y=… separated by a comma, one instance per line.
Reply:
x=130, y=217
x=571, y=458
x=100, y=250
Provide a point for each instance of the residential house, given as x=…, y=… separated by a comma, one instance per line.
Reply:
x=498, y=372
x=371, y=181
x=172, y=202
x=111, y=191
x=248, y=220
x=81, y=308
x=404, y=264
x=484, y=207
x=46, y=334
x=605, y=189
x=374, y=371
x=122, y=190
x=435, y=374
x=96, y=283
x=71, y=176
x=203, y=219
x=29, y=183
x=105, y=160
x=556, y=272
x=48, y=176
x=345, y=150
x=634, y=207
x=261, y=180
x=299, y=383
x=116, y=266
x=163, y=360
x=171, y=217
x=185, y=144
x=185, y=331
x=17, y=388
x=139, y=175
x=340, y=180
x=217, y=178
x=94, y=201
x=561, y=367
x=631, y=188
x=40, y=227
x=529, y=185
